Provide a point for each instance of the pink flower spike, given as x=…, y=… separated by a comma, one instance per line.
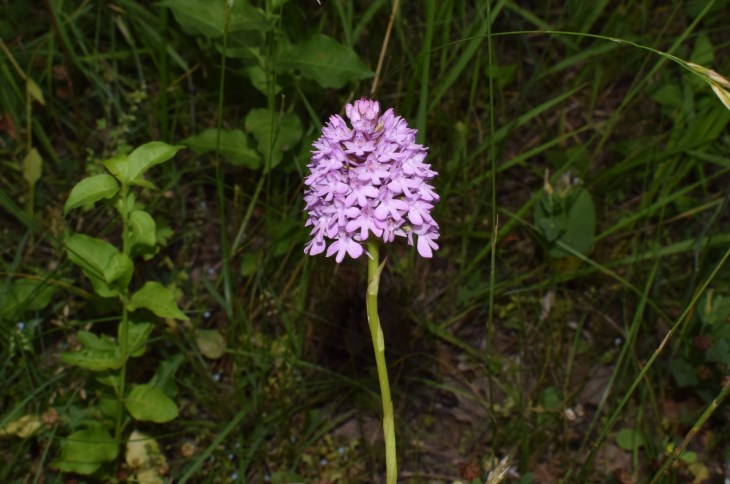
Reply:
x=368, y=178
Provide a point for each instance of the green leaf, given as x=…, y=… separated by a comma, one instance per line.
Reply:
x=322, y=58
x=90, y=190
x=206, y=18
x=720, y=352
x=84, y=451
x=24, y=295
x=703, y=52
x=233, y=146
x=211, y=343
x=684, y=374
x=90, y=341
x=285, y=127
x=32, y=167
x=94, y=360
x=164, y=377
x=136, y=337
x=129, y=169
x=35, y=91
x=567, y=218
x=714, y=309
x=149, y=403
x=109, y=270
x=257, y=75
x=630, y=439
x=99, y=354
x=158, y=299
x=143, y=228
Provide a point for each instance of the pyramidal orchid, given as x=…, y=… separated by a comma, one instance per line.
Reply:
x=369, y=179
x=368, y=183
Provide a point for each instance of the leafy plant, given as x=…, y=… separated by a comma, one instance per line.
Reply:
x=110, y=270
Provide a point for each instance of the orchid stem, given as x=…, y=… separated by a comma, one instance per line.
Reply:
x=376, y=333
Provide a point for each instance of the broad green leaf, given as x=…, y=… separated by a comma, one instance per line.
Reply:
x=233, y=146
x=94, y=360
x=207, y=18
x=629, y=439
x=148, y=155
x=720, y=352
x=322, y=58
x=24, y=295
x=32, y=167
x=91, y=190
x=258, y=79
x=249, y=262
x=144, y=229
x=109, y=270
x=164, y=377
x=84, y=451
x=568, y=218
x=118, y=166
x=158, y=299
x=136, y=337
x=110, y=379
x=148, y=403
x=285, y=128
x=703, y=52
x=90, y=341
x=684, y=373
x=714, y=309
x=130, y=168
x=211, y=343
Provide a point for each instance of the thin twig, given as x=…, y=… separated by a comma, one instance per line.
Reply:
x=384, y=48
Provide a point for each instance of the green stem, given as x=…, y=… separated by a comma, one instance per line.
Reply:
x=123, y=372
x=124, y=330
x=376, y=333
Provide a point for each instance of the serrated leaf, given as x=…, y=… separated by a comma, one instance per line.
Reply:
x=32, y=167
x=84, y=451
x=322, y=58
x=206, y=18
x=233, y=146
x=285, y=127
x=211, y=343
x=143, y=228
x=90, y=190
x=136, y=337
x=34, y=91
x=148, y=403
x=109, y=270
x=158, y=299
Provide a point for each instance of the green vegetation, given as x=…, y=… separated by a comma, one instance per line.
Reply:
x=158, y=317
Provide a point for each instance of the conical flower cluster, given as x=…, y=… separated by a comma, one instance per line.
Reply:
x=369, y=180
